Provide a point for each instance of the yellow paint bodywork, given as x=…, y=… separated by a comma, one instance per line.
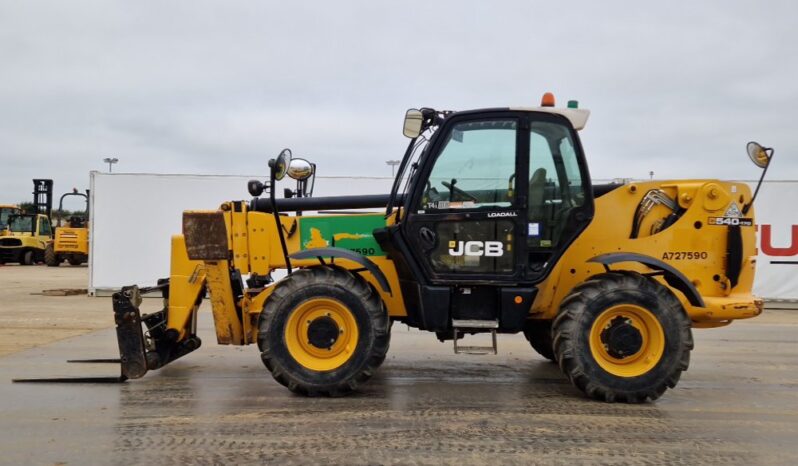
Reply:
x=71, y=240
x=186, y=279
x=610, y=230
x=229, y=327
x=691, y=245
x=254, y=249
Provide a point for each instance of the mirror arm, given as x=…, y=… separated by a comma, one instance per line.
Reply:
x=312, y=180
x=275, y=211
x=747, y=207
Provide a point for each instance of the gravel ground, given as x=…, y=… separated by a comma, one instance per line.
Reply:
x=738, y=403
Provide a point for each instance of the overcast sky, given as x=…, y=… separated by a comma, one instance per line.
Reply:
x=219, y=87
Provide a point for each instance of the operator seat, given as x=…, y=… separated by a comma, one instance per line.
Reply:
x=77, y=222
x=537, y=185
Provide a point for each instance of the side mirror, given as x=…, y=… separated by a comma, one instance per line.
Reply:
x=280, y=165
x=758, y=154
x=413, y=123
x=299, y=169
x=761, y=156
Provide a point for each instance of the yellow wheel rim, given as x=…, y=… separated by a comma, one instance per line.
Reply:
x=321, y=334
x=627, y=340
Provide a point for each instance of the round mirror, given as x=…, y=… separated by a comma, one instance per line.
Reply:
x=300, y=169
x=281, y=164
x=758, y=154
x=413, y=123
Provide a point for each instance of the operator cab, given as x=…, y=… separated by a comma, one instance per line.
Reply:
x=36, y=225
x=495, y=197
x=5, y=212
x=78, y=219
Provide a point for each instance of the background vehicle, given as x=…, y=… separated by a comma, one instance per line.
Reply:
x=5, y=211
x=492, y=226
x=28, y=234
x=71, y=242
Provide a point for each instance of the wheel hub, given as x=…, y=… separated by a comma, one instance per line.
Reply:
x=323, y=332
x=621, y=338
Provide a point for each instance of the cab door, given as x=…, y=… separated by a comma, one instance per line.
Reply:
x=44, y=228
x=559, y=197
x=466, y=221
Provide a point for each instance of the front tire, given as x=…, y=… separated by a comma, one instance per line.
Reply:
x=323, y=331
x=622, y=337
x=50, y=257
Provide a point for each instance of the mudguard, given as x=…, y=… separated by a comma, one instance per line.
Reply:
x=333, y=252
x=672, y=276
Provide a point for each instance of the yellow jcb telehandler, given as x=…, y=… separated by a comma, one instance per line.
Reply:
x=492, y=226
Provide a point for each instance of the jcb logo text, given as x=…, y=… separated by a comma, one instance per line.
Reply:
x=476, y=248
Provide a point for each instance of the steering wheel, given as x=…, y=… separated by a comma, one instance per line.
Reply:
x=455, y=190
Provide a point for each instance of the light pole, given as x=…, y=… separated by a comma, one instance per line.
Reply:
x=393, y=164
x=110, y=161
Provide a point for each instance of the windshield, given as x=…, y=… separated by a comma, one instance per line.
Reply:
x=408, y=175
x=475, y=168
x=407, y=170
x=21, y=223
x=4, y=214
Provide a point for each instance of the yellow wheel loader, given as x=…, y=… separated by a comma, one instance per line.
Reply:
x=71, y=241
x=26, y=235
x=492, y=226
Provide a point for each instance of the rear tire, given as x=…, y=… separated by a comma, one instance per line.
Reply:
x=73, y=260
x=316, y=307
x=538, y=334
x=50, y=257
x=622, y=337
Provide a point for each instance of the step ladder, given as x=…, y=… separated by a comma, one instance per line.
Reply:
x=492, y=325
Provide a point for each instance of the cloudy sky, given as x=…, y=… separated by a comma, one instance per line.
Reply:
x=677, y=88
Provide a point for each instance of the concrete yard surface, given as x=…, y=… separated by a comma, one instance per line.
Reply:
x=738, y=403
x=29, y=319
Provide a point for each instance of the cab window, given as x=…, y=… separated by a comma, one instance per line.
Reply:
x=555, y=184
x=475, y=168
x=44, y=227
x=4, y=214
x=21, y=224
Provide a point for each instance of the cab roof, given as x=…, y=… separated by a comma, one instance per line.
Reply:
x=576, y=116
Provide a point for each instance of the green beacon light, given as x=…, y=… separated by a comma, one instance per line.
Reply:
x=573, y=104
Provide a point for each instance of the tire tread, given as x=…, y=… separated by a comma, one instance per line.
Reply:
x=342, y=279
x=565, y=326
